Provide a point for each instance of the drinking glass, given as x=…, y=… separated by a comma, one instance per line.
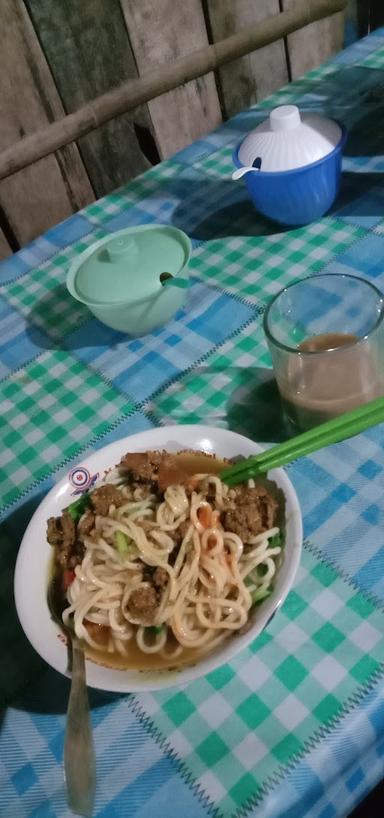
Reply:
x=326, y=338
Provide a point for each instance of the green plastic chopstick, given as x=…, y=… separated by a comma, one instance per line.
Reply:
x=333, y=431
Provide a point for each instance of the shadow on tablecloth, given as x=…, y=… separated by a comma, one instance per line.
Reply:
x=20, y=663
x=214, y=208
x=257, y=410
x=243, y=398
x=26, y=681
x=49, y=693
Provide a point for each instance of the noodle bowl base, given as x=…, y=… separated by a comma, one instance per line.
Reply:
x=31, y=571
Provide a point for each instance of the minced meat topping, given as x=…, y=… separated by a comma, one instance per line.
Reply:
x=61, y=532
x=144, y=466
x=251, y=511
x=143, y=602
x=104, y=497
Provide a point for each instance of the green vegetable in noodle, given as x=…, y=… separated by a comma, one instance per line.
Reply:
x=256, y=575
x=121, y=542
x=260, y=594
x=124, y=545
x=155, y=629
x=77, y=508
x=276, y=540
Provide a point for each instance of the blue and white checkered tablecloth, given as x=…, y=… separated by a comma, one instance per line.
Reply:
x=209, y=364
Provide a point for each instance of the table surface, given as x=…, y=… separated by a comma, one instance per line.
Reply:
x=294, y=726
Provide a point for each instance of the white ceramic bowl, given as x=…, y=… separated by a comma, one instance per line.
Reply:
x=32, y=564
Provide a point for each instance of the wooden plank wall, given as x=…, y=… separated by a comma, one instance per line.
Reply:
x=251, y=78
x=58, y=54
x=161, y=31
x=313, y=44
x=88, y=51
x=52, y=189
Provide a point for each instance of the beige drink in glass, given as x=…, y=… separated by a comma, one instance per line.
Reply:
x=326, y=338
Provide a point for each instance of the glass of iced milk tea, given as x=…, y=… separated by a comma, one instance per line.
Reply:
x=326, y=337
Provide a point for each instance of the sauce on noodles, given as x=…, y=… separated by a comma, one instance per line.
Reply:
x=155, y=578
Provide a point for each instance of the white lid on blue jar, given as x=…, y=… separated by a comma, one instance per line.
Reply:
x=289, y=139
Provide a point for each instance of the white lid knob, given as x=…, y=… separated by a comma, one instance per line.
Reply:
x=285, y=118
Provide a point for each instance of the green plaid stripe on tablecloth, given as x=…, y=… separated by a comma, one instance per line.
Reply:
x=373, y=60
x=137, y=190
x=42, y=295
x=235, y=729
x=309, y=83
x=228, y=390
x=257, y=267
x=218, y=163
x=50, y=409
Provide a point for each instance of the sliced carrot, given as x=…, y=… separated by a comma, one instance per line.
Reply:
x=68, y=577
x=205, y=516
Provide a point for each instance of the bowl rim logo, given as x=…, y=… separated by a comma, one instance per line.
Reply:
x=81, y=479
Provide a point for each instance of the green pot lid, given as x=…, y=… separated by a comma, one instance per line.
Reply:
x=126, y=266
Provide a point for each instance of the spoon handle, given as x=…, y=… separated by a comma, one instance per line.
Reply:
x=168, y=280
x=79, y=754
x=176, y=282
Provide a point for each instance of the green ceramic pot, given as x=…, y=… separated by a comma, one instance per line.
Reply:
x=118, y=277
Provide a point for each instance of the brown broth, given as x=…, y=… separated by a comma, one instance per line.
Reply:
x=137, y=660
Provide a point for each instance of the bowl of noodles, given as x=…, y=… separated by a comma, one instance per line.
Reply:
x=162, y=571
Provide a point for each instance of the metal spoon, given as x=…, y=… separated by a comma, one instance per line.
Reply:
x=79, y=753
x=167, y=279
